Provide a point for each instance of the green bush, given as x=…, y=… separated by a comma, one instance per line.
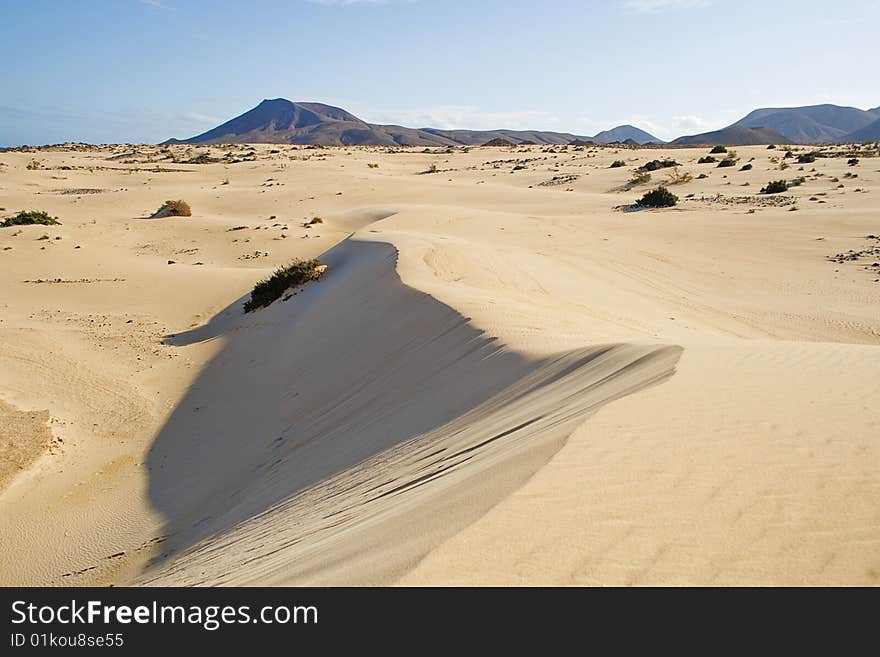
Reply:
x=727, y=162
x=775, y=187
x=746, y=167
x=270, y=289
x=806, y=158
x=617, y=164
x=719, y=149
x=653, y=165
x=702, y=176
x=708, y=159
x=29, y=218
x=658, y=198
x=852, y=161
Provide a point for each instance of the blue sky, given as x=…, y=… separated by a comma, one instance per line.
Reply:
x=146, y=70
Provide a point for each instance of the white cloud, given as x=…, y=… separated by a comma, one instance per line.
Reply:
x=158, y=4
x=345, y=3
x=651, y=6
x=452, y=117
x=196, y=117
x=695, y=124
x=666, y=128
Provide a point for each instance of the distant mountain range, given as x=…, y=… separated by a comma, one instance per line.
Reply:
x=735, y=135
x=281, y=121
x=870, y=132
x=813, y=124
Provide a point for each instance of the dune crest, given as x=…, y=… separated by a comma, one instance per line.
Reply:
x=348, y=466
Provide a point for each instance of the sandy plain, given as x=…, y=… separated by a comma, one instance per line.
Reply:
x=504, y=377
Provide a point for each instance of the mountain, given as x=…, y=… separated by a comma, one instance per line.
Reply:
x=736, y=135
x=479, y=137
x=623, y=133
x=281, y=121
x=870, y=132
x=813, y=124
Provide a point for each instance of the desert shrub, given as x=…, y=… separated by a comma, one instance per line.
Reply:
x=775, y=187
x=771, y=147
x=617, y=164
x=29, y=218
x=746, y=167
x=658, y=198
x=852, y=161
x=173, y=209
x=202, y=158
x=639, y=178
x=372, y=165
x=727, y=162
x=788, y=154
x=431, y=169
x=702, y=176
x=708, y=159
x=797, y=182
x=719, y=149
x=520, y=167
x=314, y=220
x=806, y=158
x=653, y=165
x=270, y=289
x=676, y=177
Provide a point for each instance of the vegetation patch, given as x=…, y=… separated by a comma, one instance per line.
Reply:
x=296, y=273
x=653, y=165
x=173, y=209
x=707, y=159
x=775, y=187
x=29, y=218
x=617, y=164
x=676, y=177
x=658, y=198
x=719, y=149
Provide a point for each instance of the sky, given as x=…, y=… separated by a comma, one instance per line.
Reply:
x=145, y=70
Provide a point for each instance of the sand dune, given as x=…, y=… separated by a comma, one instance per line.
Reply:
x=351, y=474
x=497, y=381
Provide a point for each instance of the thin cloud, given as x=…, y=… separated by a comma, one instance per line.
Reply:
x=654, y=6
x=158, y=4
x=452, y=117
x=345, y=3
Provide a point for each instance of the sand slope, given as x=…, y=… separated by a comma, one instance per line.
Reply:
x=498, y=380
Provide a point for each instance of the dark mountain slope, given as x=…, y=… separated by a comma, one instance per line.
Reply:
x=733, y=136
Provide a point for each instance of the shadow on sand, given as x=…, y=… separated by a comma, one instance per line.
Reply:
x=321, y=386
